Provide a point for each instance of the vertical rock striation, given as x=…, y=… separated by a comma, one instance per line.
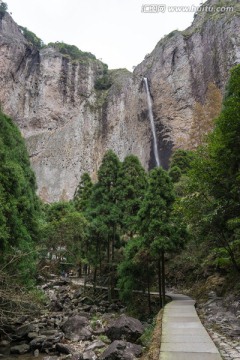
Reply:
x=68, y=124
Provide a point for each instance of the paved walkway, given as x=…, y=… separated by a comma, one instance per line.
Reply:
x=183, y=335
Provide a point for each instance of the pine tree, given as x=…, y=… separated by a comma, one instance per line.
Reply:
x=19, y=209
x=104, y=211
x=83, y=193
x=130, y=190
x=157, y=225
x=212, y=203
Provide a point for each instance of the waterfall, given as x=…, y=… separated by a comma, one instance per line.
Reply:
x=150, y=113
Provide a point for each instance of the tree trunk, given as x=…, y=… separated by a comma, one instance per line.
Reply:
x=163, y=279
x=148, y=289
x=94, y=279
x=80, y=270
x=159, y=281
x=109, y=270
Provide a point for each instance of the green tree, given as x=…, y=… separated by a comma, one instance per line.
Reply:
x=83, y=193
x=130, y=189
x=182, y=159
x=157, y=224
x=212, y=203
x=19, y=210
x=104, y=209
x=132, y=274
x=65, y=232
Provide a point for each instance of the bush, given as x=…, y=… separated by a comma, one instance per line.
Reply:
x=3, y=8
x=31, y=37
x=103, y=83
x=71, y=50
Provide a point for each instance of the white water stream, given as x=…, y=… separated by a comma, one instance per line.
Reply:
x=150, y=113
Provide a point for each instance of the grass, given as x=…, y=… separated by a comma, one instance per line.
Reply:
x=151, y=339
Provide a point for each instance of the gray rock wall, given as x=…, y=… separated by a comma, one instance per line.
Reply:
x=68, y=125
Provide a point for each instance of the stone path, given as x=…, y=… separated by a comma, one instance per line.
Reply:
x=183, y=335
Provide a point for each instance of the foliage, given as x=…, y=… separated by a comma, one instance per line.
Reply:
x=31, y=37
x=211, y=205
x=156, y=221
x=182, y=159
x=3, y=8
x=131, y=272
x=71, y=50
x=131, y=187
x=147, y=335
x=104, y=80
x=175, y=173
x=19, y=209
x=159, y=232
x=64, y=232
x=83, y=193
x=103, y=83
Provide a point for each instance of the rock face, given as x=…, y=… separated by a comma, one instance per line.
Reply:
x=68, y=124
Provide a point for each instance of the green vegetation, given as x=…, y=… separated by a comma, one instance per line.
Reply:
x=128, y=224
x=3, y=8
x=71, y=51
x=209, y=191
x=31, y=37
x=19, y=204
x=104, y=81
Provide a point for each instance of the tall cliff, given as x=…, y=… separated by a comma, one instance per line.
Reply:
x=68, y=124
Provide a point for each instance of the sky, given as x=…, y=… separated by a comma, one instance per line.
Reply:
x=119, y=32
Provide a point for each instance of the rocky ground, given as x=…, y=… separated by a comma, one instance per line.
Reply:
x=75, y=325
x=221, y=317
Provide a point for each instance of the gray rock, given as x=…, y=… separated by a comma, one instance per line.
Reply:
x=179, y=69
x=37, y=342
x=121, y=350
x=20, y=349
x=126, y=328
x=77, y=328
x=32, y=335
x=64, y=348
x=24, y=330
x=98, y=344
x=36, y=353
x=89, y=355
x=49, y=332
x=78, y=293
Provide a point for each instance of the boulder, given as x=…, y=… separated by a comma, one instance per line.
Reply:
x=89, y=355
x=20, y=349
x=37, y=343
x=97, y=344
x=125, y=328
x=121, y=350
x=22, y=331
x=77, y=328
x=64, y=349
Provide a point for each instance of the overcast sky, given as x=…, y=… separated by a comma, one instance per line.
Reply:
x=116, y=31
